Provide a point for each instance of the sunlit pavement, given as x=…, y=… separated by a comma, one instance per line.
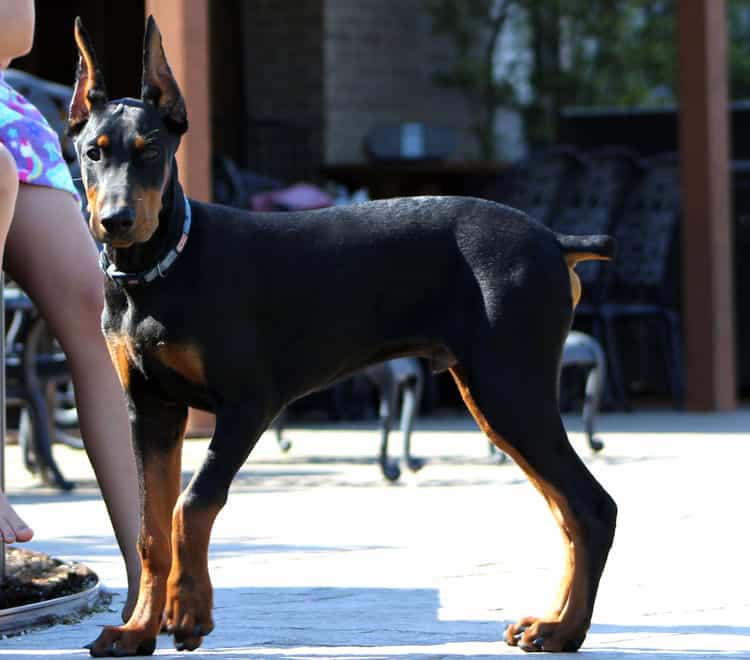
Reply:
x=316, y=557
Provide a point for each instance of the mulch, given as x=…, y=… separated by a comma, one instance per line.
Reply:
x=34, y=577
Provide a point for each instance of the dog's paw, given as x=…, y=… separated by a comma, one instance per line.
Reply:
x=188, y=616
x=532, y=634
x=120, y=641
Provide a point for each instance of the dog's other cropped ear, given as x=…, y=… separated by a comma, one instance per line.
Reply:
x=158, y=85
x=89, y=90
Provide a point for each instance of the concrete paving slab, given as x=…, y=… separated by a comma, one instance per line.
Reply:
x=316, y=557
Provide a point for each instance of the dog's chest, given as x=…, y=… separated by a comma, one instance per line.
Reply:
x=153, y=349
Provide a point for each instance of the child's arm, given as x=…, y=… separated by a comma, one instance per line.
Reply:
x=16, y=29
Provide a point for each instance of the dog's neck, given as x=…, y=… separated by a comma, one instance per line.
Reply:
x=144, y=256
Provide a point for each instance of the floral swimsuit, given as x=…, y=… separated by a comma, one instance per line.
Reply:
x=35, y=147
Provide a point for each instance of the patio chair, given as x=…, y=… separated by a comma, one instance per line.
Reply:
x=34, y=365
x=535, y=184
x=644, y=280
x=402, y=376
x=591, y=202
x=583, y=351
x=393, y=379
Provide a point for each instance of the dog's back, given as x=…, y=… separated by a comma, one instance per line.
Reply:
x=372, y=281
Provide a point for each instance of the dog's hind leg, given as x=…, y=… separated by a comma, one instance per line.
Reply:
x=189, y=604
x=518, y=412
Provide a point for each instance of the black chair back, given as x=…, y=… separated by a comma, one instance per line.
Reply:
x=591, y=203
x=534, y=185
x=647, y=264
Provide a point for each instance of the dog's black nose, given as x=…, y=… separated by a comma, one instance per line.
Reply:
x=119, y=221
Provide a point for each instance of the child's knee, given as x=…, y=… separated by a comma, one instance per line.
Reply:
x=8, y=177
x=81, y=322
x=91, y=301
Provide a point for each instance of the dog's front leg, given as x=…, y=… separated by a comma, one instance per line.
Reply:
x=189, y=605
x=157, y=436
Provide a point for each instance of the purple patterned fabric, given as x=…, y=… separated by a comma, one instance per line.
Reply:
x=32, y=142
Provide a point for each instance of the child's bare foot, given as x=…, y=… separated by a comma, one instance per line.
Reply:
x=12, y=528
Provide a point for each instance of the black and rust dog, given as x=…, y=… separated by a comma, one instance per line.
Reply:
x=198, y=313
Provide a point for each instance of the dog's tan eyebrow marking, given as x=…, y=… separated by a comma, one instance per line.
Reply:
x=103, y=141
x=139, y=143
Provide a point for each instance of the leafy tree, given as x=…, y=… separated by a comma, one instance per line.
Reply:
x=475, y=27
x=739, y=48
x=611, y=53
x=597, y=52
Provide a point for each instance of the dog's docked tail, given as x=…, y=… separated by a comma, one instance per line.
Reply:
x=584, y=248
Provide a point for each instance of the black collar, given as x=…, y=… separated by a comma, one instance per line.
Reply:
x=122, y=279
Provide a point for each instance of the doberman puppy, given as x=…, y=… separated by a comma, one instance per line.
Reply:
x=199, y=314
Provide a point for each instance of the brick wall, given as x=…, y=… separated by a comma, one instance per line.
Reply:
x=283, y=82
x=379, y=59
x=329, y=70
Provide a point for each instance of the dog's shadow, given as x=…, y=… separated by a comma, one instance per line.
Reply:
x=370, y=623
x=342, y=623
x=339, y=623
x=332, y=623
x=287, y=617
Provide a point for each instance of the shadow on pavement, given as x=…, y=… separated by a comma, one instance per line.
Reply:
x=606, y=628
x=360, y=623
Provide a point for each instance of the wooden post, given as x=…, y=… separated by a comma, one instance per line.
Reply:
x=707, y=257
x=184, y=28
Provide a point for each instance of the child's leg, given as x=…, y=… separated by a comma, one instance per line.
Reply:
x=52, y=256
x=12, y=527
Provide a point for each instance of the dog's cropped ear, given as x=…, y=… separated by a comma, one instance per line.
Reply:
x=89, y=91
x=158, y=85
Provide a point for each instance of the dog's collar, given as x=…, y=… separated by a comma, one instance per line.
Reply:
x=122, y=279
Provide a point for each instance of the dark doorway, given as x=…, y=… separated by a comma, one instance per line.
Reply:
x=117, y=32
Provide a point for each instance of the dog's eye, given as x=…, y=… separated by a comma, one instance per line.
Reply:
x=94, y=153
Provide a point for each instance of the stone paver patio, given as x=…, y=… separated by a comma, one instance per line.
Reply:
x=316, y=557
